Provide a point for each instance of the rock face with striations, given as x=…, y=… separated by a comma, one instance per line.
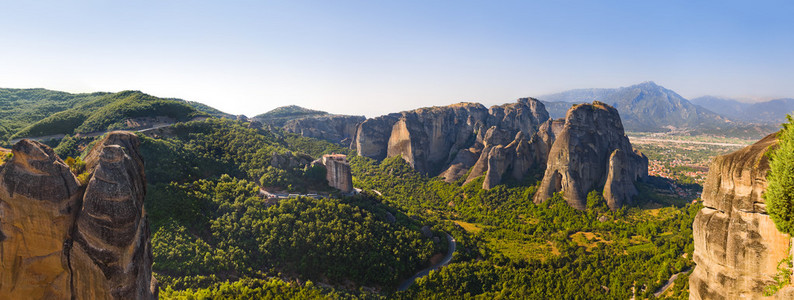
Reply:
x=450, y=140
x=592, y=152
x=60, y=239
x=737, y=247
x=334, y=128
x=337, y=171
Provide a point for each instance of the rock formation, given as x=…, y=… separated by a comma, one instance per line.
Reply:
x=592, y=152
x=289, y=160
x=737, y=247
x=337, y=171
x=450, y=140
x=585, y=151
x=334, y=128
x=60, y=239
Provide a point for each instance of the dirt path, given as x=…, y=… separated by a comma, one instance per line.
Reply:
x=408, y=282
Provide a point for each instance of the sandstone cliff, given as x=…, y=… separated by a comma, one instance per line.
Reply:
x=450, y=140
x=60, y=239
x=592, y=152
x=737, y=247
x=337, y=171
x=334, y=128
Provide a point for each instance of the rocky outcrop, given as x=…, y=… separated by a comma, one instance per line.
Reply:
x=337, y=171
x=289, y=160
x=334, y=128
x=450, y=140
x=428, y=138
x=39, y=200
x=737, y=247
x=372, y=136
x=60, y=239
x=592, y=152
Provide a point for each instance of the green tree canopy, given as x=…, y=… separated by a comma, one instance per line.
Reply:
x=779, y=194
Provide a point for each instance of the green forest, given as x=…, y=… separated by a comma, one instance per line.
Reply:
x=215, y=236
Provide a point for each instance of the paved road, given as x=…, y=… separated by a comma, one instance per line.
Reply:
x=669, y=283
x=408, y=282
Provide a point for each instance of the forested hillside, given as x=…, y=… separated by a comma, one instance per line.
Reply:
x=109, y=112
x=517, y=249
x=20, y=108
x=210, y=224
x=280, y=115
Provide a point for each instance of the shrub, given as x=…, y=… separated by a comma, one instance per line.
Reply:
x=779, y=195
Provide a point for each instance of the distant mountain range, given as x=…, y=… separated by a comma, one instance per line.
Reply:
x=768, y=112
x=643, y=107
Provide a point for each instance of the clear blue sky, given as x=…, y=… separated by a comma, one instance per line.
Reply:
x=375, y=57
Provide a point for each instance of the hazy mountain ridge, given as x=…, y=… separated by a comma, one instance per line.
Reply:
x=767, y=112
x=646, y=107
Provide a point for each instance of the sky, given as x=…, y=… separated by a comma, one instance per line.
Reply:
x=376, y=57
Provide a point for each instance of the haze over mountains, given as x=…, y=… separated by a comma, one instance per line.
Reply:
x=772, y=111
x=645, y=107
x=648, y=107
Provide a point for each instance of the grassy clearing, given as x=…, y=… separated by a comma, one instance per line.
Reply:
x=588, y=240
x=526, y=250
x=469, y=227
x=650, y=214
x=641, y=248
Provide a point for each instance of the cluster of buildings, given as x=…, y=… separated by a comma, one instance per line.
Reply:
x=659, y=169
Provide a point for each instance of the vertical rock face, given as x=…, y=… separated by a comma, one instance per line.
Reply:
x=372, y=136
x=428, y=138
x=61, y=240
x=39, y=199
x=335, y=128
x=592, y=152
x=337, y=171
x=450, y=140
x=737, y=247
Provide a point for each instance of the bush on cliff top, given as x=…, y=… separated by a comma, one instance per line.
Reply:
x=779, y=194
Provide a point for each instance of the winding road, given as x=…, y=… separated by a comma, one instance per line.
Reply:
x=408, y=282
x=669, y=283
